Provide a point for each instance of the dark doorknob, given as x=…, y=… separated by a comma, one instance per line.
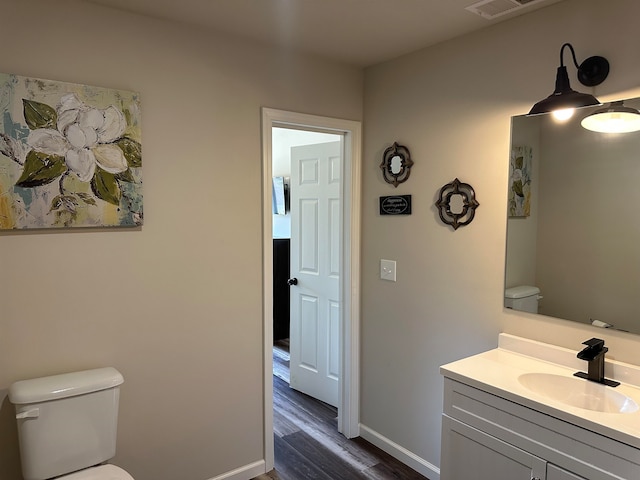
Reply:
x=292, y=281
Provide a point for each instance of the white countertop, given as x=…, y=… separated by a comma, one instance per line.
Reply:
x=497, y=372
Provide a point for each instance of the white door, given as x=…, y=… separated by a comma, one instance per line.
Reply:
x=315, y=270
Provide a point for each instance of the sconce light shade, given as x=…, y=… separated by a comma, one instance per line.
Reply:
x=563, y=97
x=591, y=72
x=616, y=118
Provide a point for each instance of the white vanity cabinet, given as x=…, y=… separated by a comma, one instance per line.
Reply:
x=488, y=437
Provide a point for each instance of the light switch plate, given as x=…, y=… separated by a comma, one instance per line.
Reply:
x=388, y=270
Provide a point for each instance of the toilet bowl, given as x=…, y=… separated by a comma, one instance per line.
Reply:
x=67, y=425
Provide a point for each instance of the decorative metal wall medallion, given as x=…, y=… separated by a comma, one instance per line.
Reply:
x=457, y=204
x=396, y=164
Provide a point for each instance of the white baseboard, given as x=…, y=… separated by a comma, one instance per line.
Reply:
x=420, y=465
x=245, y=472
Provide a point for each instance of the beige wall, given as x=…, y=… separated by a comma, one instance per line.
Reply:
x=177, y=305
x=451, y=106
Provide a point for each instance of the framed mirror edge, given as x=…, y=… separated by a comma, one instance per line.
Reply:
x=522, y=299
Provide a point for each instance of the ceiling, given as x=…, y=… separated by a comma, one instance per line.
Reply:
x=357, y=32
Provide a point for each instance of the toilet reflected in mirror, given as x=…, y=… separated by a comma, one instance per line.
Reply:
x=524, y=298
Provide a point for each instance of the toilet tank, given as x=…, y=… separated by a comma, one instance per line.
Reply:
x=523, y=298
x=66, y=422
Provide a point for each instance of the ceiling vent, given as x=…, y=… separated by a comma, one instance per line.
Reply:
x=491, y=9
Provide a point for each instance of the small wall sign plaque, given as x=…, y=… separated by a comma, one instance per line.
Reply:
x=395, y=205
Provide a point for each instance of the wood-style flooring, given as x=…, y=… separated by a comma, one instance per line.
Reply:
x=307, y=444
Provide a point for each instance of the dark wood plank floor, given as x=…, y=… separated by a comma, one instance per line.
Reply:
x=308, y=445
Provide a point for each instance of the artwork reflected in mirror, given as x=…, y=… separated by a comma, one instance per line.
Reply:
x=520, y=181
x=396, y=164
x=579, y=243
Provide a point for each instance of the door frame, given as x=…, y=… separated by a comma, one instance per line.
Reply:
x=349, y=383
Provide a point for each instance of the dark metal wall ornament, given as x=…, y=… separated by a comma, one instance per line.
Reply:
x=465, y=211
x=396, y=164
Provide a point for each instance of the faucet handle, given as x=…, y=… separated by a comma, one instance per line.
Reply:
x=594, y=348
x=594, y=343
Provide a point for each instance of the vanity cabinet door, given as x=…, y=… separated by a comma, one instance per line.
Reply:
x=557, y=473
x=469, y=454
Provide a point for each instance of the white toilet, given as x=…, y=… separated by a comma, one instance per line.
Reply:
x=524, y=298
x=67, y=425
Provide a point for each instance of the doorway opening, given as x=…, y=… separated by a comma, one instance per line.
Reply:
x=345, y=214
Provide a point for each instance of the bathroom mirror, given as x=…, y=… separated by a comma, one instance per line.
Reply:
x=577, y=235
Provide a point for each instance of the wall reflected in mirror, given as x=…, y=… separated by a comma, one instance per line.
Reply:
x=580, y=243
x=396, y=165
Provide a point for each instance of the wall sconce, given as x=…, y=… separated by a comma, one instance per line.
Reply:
x=616, y=118
x=591, y=72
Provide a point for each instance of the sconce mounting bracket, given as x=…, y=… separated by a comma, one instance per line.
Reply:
x=593, y=71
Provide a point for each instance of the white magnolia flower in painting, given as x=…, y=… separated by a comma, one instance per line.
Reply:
x=84, y=137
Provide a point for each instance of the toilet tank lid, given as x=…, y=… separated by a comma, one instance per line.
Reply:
x=65, y=385
x=521, y=291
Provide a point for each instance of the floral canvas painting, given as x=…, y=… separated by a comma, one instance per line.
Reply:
x=70, y=155
x=520, y=182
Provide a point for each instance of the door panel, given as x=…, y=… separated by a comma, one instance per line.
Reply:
x=308, y=333
x=334, y=340
x=334, y=237
x=308, y=236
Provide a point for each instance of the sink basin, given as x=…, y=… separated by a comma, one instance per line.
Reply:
x=577, y=392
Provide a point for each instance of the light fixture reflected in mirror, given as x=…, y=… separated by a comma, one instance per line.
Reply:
x=563, y=114
x=593, y=71
x=616, y=118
